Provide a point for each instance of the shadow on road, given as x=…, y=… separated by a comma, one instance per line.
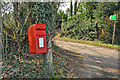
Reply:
x=84, y=65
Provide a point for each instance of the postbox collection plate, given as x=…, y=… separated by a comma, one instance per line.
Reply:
x=41, y=42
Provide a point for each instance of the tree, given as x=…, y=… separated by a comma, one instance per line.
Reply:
x=16, y=22
x=75, y=7
x=71, y=8
x=1, y=47
x=47, y=16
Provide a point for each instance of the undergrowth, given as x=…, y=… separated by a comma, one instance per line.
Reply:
x=31, y=65
x=96, y=43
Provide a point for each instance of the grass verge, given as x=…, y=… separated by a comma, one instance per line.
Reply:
x=96, y=43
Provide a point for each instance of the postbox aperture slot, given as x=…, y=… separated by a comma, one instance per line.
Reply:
x=40, y=29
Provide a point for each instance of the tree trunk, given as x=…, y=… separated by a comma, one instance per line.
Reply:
x=15, y=15
x=16, y=25
x=119, y=41
x=75, y=7
x=1, y=46
x=71, y=8
x=48, y=61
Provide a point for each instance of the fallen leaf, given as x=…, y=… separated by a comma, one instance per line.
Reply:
x=33, y=71
x=74, y=77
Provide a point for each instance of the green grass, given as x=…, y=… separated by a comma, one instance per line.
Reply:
x=97, y=43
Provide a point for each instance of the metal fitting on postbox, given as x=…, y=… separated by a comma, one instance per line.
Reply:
x=37, y=38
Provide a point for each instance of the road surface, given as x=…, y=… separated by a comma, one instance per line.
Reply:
x=88, y=61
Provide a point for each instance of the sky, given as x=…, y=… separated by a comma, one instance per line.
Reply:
x=63, y=6
x=66, y=5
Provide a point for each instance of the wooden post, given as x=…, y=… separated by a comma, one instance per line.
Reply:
x=114, y=31
x=48, y=60
x=1, y=46
x=6, y=46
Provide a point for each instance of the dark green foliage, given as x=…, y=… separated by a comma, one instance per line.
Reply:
x=68, y=11
x=92, y=22
x=59, y=18
x=76, y=28
x=44, y=13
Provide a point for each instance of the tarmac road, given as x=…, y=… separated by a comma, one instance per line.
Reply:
x=88, y=61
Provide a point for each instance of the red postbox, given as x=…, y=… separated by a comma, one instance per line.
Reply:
x=37, y=38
